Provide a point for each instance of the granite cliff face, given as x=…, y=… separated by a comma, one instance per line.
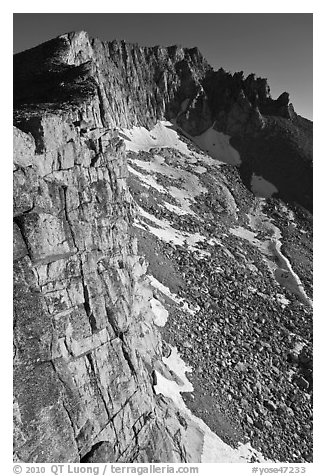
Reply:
x=87, y=346
x=85, y=340
x=139, y=85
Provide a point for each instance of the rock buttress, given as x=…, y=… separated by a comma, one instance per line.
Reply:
x=84, y=339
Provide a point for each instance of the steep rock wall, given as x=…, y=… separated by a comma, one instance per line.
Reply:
x=137, y=86
x=84, y=340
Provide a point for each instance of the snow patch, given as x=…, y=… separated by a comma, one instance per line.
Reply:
x=167, y=233
x=171, y=388
x=140, y=139
x=174, y=209
x=261, y=187
x=282, y=299
x=218, y=146
x=186, y=308
x=214, y=449
x=189, y=185
x=199, y=169
x=165, y=135
x=166, y=291
x=163, y=289
x=270, y=247
x=286, y=276
x=160, y=313
x=147, y=180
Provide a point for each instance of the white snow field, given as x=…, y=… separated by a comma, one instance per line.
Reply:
x=215, y=146
x=162, y=135
x=218, y=146
x=182, y=187
x=270, y=247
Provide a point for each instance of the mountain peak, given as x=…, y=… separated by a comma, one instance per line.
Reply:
x=161, y=226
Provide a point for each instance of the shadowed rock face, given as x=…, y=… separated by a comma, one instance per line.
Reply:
x=136, y=85
x=148, y=82
x=85, y=341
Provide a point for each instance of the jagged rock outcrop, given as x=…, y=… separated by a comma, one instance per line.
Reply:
x=148, y=83
x=139, y=85
x=85, y=343
x=135, y=85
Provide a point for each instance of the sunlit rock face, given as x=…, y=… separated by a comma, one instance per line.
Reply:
x=136, y=86
x=85, y=339
x=97, y=166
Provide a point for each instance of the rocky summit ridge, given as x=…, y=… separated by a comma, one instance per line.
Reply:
x=162, y=259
